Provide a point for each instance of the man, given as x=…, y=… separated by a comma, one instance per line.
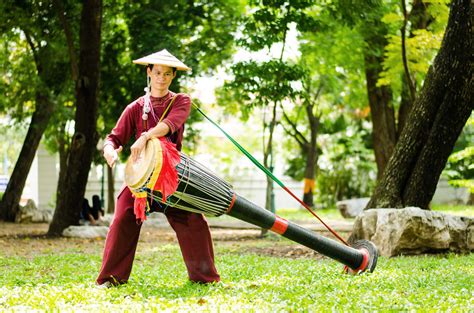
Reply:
x=160, y=113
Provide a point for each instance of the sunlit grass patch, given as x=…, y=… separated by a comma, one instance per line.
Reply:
x=462, y=210
x=304, y=214
x=251, y=282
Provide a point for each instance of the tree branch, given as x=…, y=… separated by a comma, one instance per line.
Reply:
x=29, y=40
x=58, y=5
x=288, y=131
x=300, y=138
x=404, y=52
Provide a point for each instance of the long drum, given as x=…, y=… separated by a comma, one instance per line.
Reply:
x=199, y=190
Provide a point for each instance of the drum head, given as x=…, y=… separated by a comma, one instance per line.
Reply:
x=137, y=173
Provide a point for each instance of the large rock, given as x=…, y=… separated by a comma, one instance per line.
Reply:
x=352, y=207
x=414, y=231
x=86, y=231
x=31, y=214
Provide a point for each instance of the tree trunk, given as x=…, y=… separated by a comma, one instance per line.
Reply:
x=268, y=163
x=9, y=204
x=110, y=190
x=85, y=138
x=406, y=105
x=311, y=158
x=419, y=19
x=439, y=114
x=63, y=156
x=382, y=112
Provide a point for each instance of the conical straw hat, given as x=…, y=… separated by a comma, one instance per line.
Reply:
x=162, y=57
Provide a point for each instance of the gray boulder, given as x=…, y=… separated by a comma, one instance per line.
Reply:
x=352, y=207
x=414, y=231
x=31, y=214
x=86, y=231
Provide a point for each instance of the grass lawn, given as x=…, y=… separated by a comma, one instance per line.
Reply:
x=58, y=274
x=333, y=214
x=463, y=210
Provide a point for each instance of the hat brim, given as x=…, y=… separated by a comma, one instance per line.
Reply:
x=161, y=61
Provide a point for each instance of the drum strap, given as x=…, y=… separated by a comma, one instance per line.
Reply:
x=145, y=121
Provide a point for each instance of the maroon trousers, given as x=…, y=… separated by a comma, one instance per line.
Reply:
x=193, y=236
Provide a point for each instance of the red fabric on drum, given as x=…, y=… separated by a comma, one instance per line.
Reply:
x=167, y=181
x=139, y=206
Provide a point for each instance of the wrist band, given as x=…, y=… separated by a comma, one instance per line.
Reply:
x=145, y=134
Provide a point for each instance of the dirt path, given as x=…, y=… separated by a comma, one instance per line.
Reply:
x=29, y=240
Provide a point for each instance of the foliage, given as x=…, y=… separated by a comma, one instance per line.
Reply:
x=193, y=31
x=36, y=59
x=421, y=46
x=251, y=282
x=344, y=134
x=11, y=137
x=460, y=167
x=202, y=33
x=193, y=133
x=260, y=84
x=269, y=21
x=334, y=59
x=32, y=56
x=221, y=156
x=347, y=167
x=17, y=71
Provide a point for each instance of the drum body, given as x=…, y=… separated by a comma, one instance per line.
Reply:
x=198, y=190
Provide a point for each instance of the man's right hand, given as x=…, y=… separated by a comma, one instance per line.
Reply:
x=111, y=154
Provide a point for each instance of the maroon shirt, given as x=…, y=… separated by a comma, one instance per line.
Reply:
x=131, y=122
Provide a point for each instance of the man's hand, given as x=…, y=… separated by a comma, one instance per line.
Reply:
x=111, y=154
x=138, y=146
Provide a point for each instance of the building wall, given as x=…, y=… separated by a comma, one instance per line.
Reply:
x=48, y=173
x=43, y=177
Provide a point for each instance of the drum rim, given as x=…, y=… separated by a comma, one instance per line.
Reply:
x=151, y=146
x=157, y=164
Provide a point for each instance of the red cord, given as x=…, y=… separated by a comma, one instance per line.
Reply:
x=312, y=212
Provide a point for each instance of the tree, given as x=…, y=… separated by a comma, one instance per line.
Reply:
x=85, y=136
x=264, y=85
x=38, y=28
x=132, y=30
x=308, y=146
x=332, y=94
x=439, y=114
x=192, y=30
x=460, y=167
x=393, y=63
x=270, y=83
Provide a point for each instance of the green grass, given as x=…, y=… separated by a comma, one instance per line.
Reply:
x=294, y=214
x=251, y=283
x=464, y=210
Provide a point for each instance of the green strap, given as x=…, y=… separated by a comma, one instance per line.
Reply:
x=242, y=149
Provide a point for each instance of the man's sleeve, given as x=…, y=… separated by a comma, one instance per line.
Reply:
x=179, y=112
x=123, y=130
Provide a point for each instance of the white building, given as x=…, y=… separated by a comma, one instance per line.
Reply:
x=42, y=183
